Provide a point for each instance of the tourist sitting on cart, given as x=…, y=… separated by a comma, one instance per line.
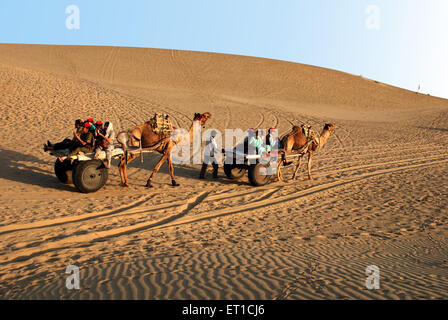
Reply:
x=85, y=143
x=92, y=127
x=98, y=128
x=66, y=143
x=272, y=140
x=256, y=141
x=99, y=136
x=105, y=141
x=250, y=134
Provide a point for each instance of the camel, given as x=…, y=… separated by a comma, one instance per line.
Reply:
x=143, y=136
x=297, y=141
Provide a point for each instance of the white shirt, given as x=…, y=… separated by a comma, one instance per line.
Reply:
x=211, y=147
x=273, y=141
x=110, y=132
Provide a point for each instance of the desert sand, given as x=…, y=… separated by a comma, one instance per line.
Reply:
x=379, y=194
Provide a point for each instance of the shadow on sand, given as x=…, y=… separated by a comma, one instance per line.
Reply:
x=27, y=169
x=16, y=167
x=184, y=171
x=434, y=129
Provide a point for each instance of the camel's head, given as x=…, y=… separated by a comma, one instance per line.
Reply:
x=296, y=129
x=330, y=127
x=202, y=117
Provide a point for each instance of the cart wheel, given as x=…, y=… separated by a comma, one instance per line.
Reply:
x=63, y=171
x=90, y=176
x=258, y=174
x=233, y=172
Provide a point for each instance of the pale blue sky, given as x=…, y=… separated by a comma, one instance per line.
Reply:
x=409, y=49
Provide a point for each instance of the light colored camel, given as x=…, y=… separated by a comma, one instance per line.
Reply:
x=297, y=141
x=143, y=136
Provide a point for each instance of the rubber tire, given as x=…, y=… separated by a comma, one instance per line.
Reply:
x=233, y=172
x=90, y=176
x=254, y=178
x=63, y=171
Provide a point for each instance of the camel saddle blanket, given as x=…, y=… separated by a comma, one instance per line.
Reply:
x=161, y=124
x=310, y=134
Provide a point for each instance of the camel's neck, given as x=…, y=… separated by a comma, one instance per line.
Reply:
x=325, y=134
x=190, y=131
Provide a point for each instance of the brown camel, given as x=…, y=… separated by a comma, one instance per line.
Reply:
x=143, y=136
x=297, y=141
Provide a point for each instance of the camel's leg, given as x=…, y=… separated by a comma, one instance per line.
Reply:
x=156, y=168
x=119, y=170
x=122, y=169
x=171, y=169
x=299, y=161
x=125, y=173
x=279, y=171
x=310, y=158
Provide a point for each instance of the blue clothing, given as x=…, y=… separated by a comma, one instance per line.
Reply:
x=258, y=143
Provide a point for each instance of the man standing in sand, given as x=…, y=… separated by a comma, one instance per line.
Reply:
x=209, y=156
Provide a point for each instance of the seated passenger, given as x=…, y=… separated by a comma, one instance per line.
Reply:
x=66, y=143
x=106, y=142
x=98, y=128
x=250, y=135
x=271, y=140
x=275, y=141
x=92, y=125
x=257, y=142
x=85, y=143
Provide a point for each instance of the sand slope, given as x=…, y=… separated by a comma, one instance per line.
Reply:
x=379, y=193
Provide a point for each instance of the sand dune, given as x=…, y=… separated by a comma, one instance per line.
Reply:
x=379, y=193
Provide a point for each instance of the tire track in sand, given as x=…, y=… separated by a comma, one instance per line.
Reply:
x=69, y=242
x=133, y=208
x=307, y=192
x=72, y=219
x=128, y=210
x=181, y=219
